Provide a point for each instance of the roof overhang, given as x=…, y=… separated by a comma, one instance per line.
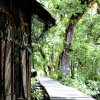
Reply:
x=29, y=8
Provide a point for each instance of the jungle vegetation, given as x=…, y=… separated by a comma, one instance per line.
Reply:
x=69, y=51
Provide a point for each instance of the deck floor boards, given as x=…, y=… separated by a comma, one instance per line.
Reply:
x=57, y=91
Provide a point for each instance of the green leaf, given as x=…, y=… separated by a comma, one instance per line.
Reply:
x=55, y=1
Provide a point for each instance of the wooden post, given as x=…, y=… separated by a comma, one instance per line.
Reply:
x=4, y=62
x=29, y=58
x=0, y=68
x=12, y=65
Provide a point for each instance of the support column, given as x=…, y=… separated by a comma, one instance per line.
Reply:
x=0, y=68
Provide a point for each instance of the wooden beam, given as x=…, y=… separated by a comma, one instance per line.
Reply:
x=0, y=68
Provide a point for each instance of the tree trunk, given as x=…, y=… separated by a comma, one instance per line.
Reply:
x=52, y=56
x=52, y=59
x=64, y=63
x=63, y=58
x=72, y=70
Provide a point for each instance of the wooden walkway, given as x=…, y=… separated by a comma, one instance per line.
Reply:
x=57, y=91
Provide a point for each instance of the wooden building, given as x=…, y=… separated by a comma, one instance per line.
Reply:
x=15, y=39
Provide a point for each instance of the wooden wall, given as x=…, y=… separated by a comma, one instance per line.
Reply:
x=15, y=80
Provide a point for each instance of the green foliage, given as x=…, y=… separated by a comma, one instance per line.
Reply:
x=37, y=95
x=89, y=87
x=85, y=56
x=89, y=26
x=72, y=7
x=39, y=61
x=58, y=75
x=37, y=28
x=37, y=92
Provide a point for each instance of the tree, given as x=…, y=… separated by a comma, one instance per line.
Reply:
x=74, y=41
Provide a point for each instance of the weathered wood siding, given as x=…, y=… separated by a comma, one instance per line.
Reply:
x=24, y=71
x=6, y=68
x=14, y=58
x=15, y=42
x=8, y=72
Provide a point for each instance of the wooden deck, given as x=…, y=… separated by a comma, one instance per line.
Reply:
x=57, y=91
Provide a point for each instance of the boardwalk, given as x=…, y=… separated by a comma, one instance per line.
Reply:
x=58, y=91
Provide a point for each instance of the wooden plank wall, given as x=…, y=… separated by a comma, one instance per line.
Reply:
x=5, y=70
x=8, y=72
x=26, y=69
x=24, y=76
x=14, y=69
x=0, y=68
